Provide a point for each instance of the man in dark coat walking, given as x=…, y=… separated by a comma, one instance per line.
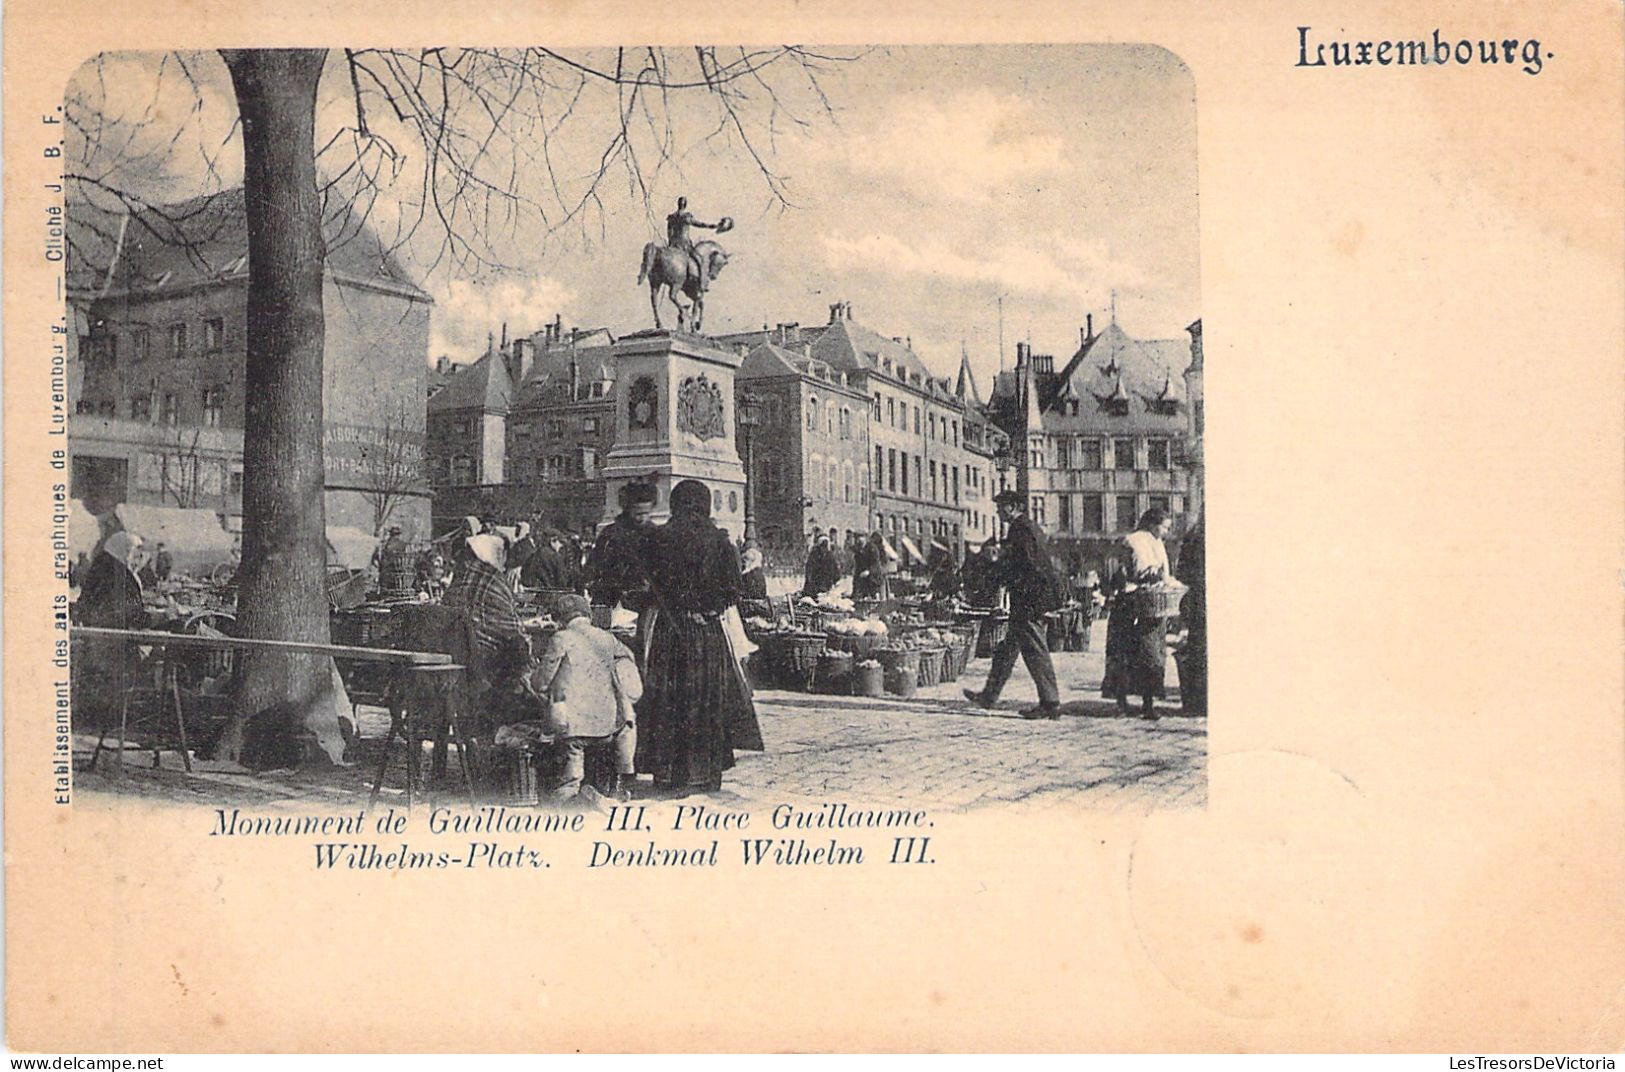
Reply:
x=1026, y=572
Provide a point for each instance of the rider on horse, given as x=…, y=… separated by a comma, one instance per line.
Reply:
x=678, y=237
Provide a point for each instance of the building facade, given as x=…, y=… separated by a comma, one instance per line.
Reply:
x=808, y=455
x=160, y=313
x=1101, y=440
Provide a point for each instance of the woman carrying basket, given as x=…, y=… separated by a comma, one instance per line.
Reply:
x=1136, y=636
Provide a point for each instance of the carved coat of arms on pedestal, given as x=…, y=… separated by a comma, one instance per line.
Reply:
x=700, y=410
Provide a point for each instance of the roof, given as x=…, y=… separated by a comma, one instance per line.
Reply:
x=484, y=386
x=848, y=346
x=768, y=360
x=965, y=388
x=205, y=239
x=550, y=371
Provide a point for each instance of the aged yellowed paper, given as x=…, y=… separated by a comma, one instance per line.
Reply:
x=966, y=249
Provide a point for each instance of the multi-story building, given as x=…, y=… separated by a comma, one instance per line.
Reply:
x=1100, y=441
x=930, y=450
x=808, y=453
x=522, y=431
x=158, y=377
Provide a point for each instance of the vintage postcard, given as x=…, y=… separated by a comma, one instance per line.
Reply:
x=645, y=529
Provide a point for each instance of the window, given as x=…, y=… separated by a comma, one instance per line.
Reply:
x=905, y=473
x=555, y=466
x=234, y=484
x=933, y=468
x=177, y=341
x=1156, y=452
x=815, y=473
x=214, y=334
x=1159, y=502
x=716, y=500
x=1125, y=513
x=829, y=420
x=919, y=484
x=956, y=485
x=847, y=481
x=140, y=408
x=589, y=424
x=1035, y=456
x=877, y=405
x=830, y=478
x=1038, y=509
x=555, y=429
x=733, y=502
x=891, y=411
x=931, y=425
x=171, y=412
x=589, y=461
x=916, y=420
x=955, y=426
x=846, y=422
x=462, y=469
x=211, y=407
x=1123, y=454
x=1094, y=514
x=1063, y=513
x=1089, y=454
x=880, y=462
x=812, y=414
x=891, y=469
x=1063, y=454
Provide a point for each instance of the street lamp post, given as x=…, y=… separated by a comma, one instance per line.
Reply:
x=750, y=417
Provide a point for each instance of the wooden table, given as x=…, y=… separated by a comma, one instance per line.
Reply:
x=434, y=669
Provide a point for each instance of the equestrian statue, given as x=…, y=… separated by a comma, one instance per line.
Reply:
x=684, y=267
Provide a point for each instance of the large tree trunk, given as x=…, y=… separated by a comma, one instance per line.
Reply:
x=284, y=704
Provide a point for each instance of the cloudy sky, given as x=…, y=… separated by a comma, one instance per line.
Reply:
x=944, y=179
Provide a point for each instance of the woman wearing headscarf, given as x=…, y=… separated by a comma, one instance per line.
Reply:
x=480, y=588
x=869, y=569
x=696, y=707
x=1137, y=641
x=753, y=582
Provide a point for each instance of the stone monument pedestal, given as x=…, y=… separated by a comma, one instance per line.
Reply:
x=674, y=421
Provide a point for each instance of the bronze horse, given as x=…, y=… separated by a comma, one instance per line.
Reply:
x=664, y=266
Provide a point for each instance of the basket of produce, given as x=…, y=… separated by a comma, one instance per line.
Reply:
x=835, y=672
x=894, y=657
x=868, y=678
x=902, y=680
x=967, y=631
x=859, y=636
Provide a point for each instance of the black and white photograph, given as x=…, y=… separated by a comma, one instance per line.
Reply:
x=564, y=429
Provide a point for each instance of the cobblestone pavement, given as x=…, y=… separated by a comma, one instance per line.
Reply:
x=935, y=750
x=940, y=750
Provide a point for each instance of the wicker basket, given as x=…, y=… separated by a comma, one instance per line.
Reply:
x=835, y=672
x=1159, y=600
x=799, y=660
x=930, y=668
x=523, y=787
x=953, y=659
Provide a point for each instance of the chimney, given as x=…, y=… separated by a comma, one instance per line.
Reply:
x=504, y=334
x=1089, y=330
x=524, y=359
x=834, y=313
x=558, y=325
x=575, y=378
x=1022, y=350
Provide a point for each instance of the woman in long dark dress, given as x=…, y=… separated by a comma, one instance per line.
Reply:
x=696, y=708
x=1137, y=641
